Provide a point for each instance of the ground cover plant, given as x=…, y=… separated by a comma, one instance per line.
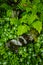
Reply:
x=16, y=18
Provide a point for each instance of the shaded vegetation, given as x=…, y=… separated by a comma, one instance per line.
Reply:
x=16, y=18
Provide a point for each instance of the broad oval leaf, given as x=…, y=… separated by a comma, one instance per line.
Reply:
x=37, y=25
x=22, y=29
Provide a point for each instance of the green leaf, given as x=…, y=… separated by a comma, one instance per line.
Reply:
x=9, y=13
x=40, y=7
x=24, y=19
x=41, y=16
x=6, y=6
x=28, y=19
x=13, y=21
x=37, y=25
x=36, y=1
x=34, y=9
x=1, y=20
x=31, y=19
x=22, y=29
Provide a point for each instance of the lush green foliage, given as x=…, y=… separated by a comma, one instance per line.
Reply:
x=18, y=17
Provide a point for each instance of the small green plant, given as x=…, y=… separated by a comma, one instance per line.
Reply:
x=16, y=18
